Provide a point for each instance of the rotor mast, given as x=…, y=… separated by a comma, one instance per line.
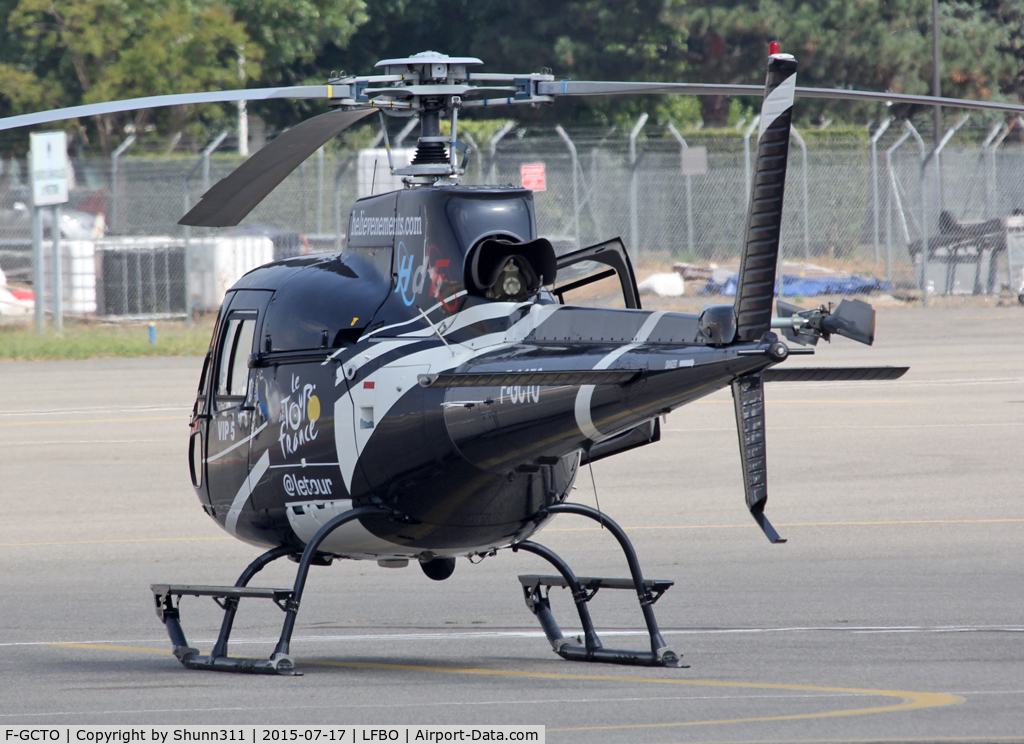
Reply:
x=432, y=85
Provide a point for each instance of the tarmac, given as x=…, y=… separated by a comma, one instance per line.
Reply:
x=893, y=613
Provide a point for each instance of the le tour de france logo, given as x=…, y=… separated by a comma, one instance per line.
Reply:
x=299, y=413
x=429, y=272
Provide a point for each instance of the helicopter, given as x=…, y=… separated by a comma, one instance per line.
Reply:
x=429, y=393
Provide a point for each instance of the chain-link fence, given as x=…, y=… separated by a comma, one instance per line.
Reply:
x=673, y=198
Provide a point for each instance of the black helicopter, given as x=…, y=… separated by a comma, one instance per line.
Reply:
x=428, y=393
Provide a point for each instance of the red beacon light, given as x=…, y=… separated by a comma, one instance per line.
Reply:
x=774, y=48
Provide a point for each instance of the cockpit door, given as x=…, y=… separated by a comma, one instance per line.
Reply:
x=231, y=399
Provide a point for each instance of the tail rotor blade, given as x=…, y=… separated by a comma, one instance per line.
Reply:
x=853, y=319
x=748, y=398
x=233, y=197
x=756, y=288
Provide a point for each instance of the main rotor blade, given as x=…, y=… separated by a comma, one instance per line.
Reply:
x=234, y=196
x=602, y=88
x=178, y=99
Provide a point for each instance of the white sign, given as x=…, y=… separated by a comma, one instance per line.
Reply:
x=532, y=176
x=49, y=171
x=694, y=161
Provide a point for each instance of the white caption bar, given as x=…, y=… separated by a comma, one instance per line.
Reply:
x=260, y=734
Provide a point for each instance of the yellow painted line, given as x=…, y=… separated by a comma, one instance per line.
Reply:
x=97, y=421
x=769, y=399
x=790, y=524
x=910, y=700
x=105, y=647
x=872, y=740
x=108, y=542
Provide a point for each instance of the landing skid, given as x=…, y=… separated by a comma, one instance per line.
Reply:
x=280, y=662
x=583, y=589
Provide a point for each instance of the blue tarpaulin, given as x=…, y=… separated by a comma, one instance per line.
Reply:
x=794, y=286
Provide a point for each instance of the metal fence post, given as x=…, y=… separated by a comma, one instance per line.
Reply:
x=634, y=230
x=935, y=153
x=115, y=184
x=492, y=149
x=574, y=164
x=187, y=258
x=986, y=149
x=58, y=280
x=204, y=163
x=874, y=175
x=992, y=162
x=807, y=228
x=207, y=151
x=406, y=130
x=888, y=205
x=38, y=281
x=320, y=190
x=689, y=187
x=349, y=159
x=473, y=149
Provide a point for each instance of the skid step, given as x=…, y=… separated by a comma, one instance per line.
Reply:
x=221, y=592
x=227, y=597
x=588, y=647
x=591, y=584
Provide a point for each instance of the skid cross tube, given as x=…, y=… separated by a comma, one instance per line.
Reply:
x=227, y=598
x=660, y=653
x=220, y=648
x=542, y=608
x=292, y=607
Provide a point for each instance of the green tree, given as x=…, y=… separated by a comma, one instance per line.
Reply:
x=864, y=44
x=294, y=31
x=291, y=34
x=84, y=51
x=582, y=39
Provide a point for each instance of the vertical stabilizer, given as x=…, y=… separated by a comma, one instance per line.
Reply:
x=756, y=287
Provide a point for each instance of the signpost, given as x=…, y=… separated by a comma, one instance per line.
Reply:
x=50, y=175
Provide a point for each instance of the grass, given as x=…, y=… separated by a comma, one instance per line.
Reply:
x=86, y=340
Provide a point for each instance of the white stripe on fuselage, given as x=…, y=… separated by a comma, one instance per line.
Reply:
x=245, y=491
x=586, y=392
x=239, y=443
x=389, y=383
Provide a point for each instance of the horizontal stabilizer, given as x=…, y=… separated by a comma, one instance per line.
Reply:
x=508, y=379
x=832, y=374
